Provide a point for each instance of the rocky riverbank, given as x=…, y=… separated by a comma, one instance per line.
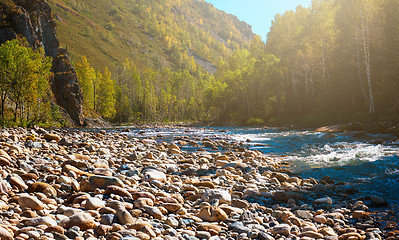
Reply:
x=70, y=184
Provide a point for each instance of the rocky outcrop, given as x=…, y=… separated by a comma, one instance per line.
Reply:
x=33, y=20
x=66, y=89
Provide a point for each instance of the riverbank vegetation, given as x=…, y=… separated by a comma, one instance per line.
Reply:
x=335, y=61
x=25, y=95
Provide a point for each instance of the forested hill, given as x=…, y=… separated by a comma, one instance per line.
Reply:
x=152, y=33
x=183, y=60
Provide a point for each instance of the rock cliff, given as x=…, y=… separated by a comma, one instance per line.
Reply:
x=33, y=20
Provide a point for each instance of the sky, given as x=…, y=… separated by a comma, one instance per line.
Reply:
x=258, y=13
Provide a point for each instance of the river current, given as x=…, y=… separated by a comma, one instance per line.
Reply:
x=367, y=162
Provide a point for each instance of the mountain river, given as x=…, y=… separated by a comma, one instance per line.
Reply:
x=367, y=162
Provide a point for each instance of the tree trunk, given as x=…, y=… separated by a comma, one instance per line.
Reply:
x=3, y=100
x=366, y=48
x=360, y=74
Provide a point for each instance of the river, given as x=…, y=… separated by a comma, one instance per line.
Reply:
x=367, y=162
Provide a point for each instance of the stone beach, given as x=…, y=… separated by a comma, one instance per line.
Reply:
x=72, y=184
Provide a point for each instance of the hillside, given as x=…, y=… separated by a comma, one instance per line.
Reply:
x=153, y=33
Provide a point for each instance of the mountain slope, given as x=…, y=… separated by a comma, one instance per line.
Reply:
x=153, y=33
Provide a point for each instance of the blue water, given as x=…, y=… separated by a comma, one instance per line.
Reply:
x=369, y=163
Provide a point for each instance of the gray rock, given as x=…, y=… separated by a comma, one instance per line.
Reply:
x=154, y=212
x=239, y=227
x=304, y=214
x=203, y=234
x=264, y=236
x=217, y=194
x=124, y=217
x=171, y=221
x=325, y=200
x=108, y=219
x=94, y=203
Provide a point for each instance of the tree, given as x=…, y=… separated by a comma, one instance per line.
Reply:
x=24, y=79
x=106, y=95
x=87, y=77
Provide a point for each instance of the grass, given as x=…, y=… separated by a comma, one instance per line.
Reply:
x=108, y=32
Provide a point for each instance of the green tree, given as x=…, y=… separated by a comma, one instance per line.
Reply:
x=106, y=95
x=87, y=77
x=24, y=79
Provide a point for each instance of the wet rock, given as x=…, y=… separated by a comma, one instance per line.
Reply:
x=378, y=202
x=325, y=200
x=360, y=214
x=282, y=196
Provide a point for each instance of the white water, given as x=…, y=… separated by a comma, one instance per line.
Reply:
x=369, y=162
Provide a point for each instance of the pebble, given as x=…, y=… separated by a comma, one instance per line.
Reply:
x=325, y=200
x=82, y=220
x=27, y=201
x=93, y=203
x=85, y=185
x=5, y=234
x=282, y=229
x=217, y=194
x=124, y=217
x=212, y=214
